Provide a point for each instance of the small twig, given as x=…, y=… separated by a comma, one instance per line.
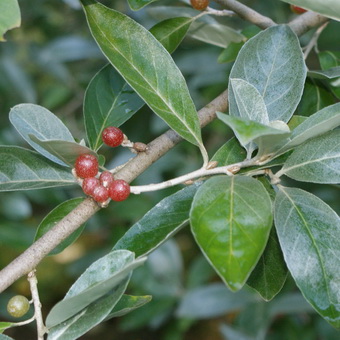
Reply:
x=41, y=329
x=23, y=323
x=229, y=170
x=314, y=41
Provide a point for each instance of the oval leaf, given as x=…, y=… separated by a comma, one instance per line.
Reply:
x=9, y=16
x=38, y=121
x=160, y=223
x=148, y=68
x=309, y=234
x=22, y=169
x=109, y=101
x=229, y=153
x=230, y=219
x=278, y=71
x=66, y=151
x=55, y=216
x=98, y=279
x=316, y=161
x=89, y=317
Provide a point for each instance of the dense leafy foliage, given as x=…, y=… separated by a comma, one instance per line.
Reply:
x=253, y=219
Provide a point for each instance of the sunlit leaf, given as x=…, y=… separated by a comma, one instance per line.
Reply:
x=309, y=234
x=272, y=72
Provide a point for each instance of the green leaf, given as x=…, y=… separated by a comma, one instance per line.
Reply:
x=329, y=59
x=309, y=234
x=138, y=4
x=278, y=71
x=314, y=98
x=160, y=223
x=328, y=8
x=170, y=32
x=316, y=161
x=247, y=131
x=5, y=325
x=217, y=301
x=331, y=73
x=66, y=151
x=40, y=122
x=54, y=217
x=229, y=153
x=270, y=273
x=109, y=101
x=249, y=102
x=148, y=68
x=128, y=304
x=89, y=317
x=98, y=279
x=295, y=121
x=231, y=219
x=317, y=124
x=22, y=169
x=214, y=33
x=9, y=16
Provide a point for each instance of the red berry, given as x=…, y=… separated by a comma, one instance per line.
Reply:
x=199, y=4
x=297, y=10
x=89, y=184
x=112, y=136
x=119, y=190
x=86, y=165
x=100, y=194
x=106, y=178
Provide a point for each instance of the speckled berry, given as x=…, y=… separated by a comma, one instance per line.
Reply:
x=112, y=136
x=86, y=165
x=106, y=178
x=89, y=184
x=18, y=306
x=199, y=4
x=119, y=190
x=297, y=10
x=100, y=194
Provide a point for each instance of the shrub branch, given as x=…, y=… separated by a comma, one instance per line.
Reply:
x=32, y=256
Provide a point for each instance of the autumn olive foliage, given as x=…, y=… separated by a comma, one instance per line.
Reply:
x=248, y=206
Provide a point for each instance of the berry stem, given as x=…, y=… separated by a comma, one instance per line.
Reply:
x=41, y=329
x=229, y=170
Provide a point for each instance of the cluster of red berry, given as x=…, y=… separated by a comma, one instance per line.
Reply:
x=106, y=186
